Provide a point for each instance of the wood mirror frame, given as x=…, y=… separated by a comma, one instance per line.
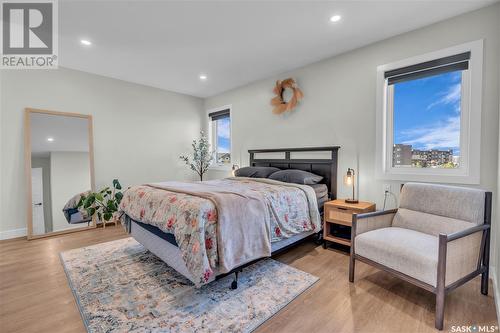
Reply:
x=27, y=155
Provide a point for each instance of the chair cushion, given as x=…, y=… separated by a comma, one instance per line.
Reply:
x=428, y=223
x=407, y=251
x=466, y=204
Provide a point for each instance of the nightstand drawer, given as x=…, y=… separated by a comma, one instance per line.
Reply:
x=337, y=220
x=338, y=214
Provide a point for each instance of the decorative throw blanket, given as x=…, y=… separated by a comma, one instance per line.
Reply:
x=243, y=221
x=291, y=209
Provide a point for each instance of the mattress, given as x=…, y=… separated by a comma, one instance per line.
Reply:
x=156, y=231
x=73, y=216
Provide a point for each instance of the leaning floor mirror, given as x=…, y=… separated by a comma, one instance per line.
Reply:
x=59, y=170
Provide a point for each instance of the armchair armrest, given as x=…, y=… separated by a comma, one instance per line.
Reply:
x=370, y=221
x=466, y=232
x=377, y=213
x=461, y=253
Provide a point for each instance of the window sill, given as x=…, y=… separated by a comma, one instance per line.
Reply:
x=432, y=177
x=220, y=168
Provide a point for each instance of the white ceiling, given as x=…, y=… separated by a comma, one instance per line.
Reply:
x=168, y=44
x=70, y=134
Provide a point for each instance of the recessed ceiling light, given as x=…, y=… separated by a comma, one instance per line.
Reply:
x=335, y=18
x=50, y=139
x=203, y=77
x=85, y=42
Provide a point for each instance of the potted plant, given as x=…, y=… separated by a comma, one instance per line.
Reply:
x=104, y=204
x=202, y=156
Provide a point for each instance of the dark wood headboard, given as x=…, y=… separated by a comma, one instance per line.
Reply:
x=327, y=168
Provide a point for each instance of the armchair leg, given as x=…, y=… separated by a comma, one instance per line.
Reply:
x=486, y=264
x=486, y=255
x=484, y=281
x=351, y=268
x=440, y=309
x=441, y=281
x=351, y=250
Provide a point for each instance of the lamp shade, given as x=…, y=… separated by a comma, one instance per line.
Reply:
x=349, y=178
x=349, y=181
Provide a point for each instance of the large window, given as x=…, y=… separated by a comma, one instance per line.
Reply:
x=220, y=128
x=429, y=116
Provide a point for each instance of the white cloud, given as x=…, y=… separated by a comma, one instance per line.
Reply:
x=452, y=96
x=456, y=76
x=224, y=129
x=441, y=136
x=223, y=149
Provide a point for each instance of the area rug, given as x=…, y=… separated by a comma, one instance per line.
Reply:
x=120, y=286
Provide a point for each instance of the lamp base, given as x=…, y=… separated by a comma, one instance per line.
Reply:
x=351, y=201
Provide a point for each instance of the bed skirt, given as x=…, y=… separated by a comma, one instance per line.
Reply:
x=158, y=243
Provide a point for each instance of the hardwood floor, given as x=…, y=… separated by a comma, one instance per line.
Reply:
x=35, y=296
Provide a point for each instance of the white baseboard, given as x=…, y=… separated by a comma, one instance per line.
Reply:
x=13, y=233
x=496, y=292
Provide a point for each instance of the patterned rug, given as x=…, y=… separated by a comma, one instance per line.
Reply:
x=121, y=287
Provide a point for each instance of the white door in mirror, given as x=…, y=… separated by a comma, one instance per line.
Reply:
x=37, y=201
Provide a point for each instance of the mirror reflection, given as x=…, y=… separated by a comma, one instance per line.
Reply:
x=60, y=172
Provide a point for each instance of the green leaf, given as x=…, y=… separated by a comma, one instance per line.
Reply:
x=116, y=184
x=89, y=200
x=80, y=202
x=91, y=211
x=99, y=197
x=107, y=216
x=118, y=197
x=111, y=205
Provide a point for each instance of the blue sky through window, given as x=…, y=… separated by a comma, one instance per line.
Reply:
x=427, y=112
x=224, y=135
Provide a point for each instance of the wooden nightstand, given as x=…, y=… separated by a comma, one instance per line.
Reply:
x=338, y=212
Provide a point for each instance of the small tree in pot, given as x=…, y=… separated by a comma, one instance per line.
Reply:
x=202, y=156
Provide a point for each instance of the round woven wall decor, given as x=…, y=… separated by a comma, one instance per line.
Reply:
x=279, y=103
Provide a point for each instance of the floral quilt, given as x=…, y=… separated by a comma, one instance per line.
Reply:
x=193, y=220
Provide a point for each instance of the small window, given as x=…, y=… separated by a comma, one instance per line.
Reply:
x=220, y=125
x=427, y=110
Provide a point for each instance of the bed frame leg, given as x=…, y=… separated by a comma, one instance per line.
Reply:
x=319, y=238
x=234, y=284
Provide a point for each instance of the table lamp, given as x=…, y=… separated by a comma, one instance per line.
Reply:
x=349, y=181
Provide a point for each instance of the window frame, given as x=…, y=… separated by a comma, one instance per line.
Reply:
x=212, y=135
x=470, y=121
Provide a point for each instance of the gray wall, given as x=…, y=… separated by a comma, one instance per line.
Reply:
x=139, y=131
x=339, y=103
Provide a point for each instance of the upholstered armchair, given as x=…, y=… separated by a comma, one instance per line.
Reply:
x=438, y=239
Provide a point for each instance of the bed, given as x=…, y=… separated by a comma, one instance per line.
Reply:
x=183, y=223
x=75, y=214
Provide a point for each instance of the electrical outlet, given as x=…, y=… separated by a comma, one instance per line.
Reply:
x=387, y=188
